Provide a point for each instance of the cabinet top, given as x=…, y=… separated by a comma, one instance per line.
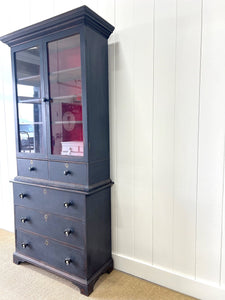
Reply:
x=80, y=15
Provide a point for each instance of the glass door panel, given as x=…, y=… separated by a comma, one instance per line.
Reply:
x=29, y=100
x=66, y=96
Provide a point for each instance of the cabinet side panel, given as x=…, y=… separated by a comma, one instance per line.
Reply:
x=98, y=212
x=97, y=95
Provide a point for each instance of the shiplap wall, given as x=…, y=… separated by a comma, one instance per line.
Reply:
x=167, y=126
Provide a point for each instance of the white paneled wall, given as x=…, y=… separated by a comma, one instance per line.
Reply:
x=167, y=127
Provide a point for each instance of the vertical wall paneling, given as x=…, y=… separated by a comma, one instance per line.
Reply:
x=19, y=12
x=186, y=134
x=9, y=115
x=64, y=6
x=40, y=10
x=2, y=127
x=163, y=139
x=92, y=4
x=124, y=56
x=7, y=149
x=12, y=19
x=106, y=9
x=143, y=106
x=211, y=142
x=222, y=262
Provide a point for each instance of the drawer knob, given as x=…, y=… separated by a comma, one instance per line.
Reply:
x=67, y=231
x=68, y=261
x=67, y=204
x=67, y=172
x=24, y=245
x=32, y=169
x=23, y=219
x=21, y=195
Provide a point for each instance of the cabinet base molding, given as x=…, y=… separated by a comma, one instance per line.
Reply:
x=86, y=286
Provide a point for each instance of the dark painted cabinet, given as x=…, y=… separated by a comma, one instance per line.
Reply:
x=62, y=189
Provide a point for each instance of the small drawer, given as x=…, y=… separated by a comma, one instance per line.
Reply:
x=50, y=200
x=32, y=168
x=54, y=226
x=55, y=254
x=68, y=172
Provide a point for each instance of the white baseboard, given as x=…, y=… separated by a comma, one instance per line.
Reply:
x=174, y=281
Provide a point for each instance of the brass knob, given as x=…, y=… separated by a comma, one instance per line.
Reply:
x=68, y=261
x=23, y=219
x=31, y=169
x=67, y=204
x=67, y=231
x=24, y=245
x=67, y=172
x=21, y=195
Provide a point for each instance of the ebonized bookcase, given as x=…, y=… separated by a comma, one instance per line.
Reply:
x=62, y=189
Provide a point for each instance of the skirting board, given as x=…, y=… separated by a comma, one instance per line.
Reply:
x=179, y=283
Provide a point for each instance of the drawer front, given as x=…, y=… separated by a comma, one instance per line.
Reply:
x=68, y=172
x=32, y=168
x=50, y=200
x=53, y=226
x=51, y=253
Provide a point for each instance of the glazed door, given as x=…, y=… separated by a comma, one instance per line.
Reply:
x=30, y=110
x=65, y=93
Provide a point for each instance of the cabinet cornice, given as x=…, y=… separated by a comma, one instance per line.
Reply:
x=75, y=17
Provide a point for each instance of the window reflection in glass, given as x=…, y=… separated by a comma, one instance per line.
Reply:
x=28, y=73
x=30, y=127
x=28, y=99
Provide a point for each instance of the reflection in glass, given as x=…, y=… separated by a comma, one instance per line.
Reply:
x=29, y=102
x=66, y=94
x=30, y=127
x=28, y=73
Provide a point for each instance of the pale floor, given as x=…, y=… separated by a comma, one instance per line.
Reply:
x=25, y=281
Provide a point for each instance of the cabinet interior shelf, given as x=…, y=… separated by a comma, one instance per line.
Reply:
x=23, y=99
x=57, y=76
x=30, y=80
x=68, y=122
x=31, y=123
x=65, y=75
x=68, y=99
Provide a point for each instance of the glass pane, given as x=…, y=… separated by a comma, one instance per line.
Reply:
x=30, y=127
x=66, y=94
x=28, y=74
x=29, y=102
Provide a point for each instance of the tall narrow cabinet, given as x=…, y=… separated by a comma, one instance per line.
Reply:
x=62, y=189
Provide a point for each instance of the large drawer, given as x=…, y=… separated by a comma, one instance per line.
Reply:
x=54, y=226
x=51, y=253
x=50, y=200
x=32, y=168
x=68, y=172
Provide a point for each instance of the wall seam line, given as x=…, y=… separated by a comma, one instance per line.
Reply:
x=133, y=135
x=174, y=129
x=198, y=136
x=222, y=214
x=153, y=110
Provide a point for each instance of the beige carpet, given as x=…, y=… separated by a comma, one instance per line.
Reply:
x=29, y=282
